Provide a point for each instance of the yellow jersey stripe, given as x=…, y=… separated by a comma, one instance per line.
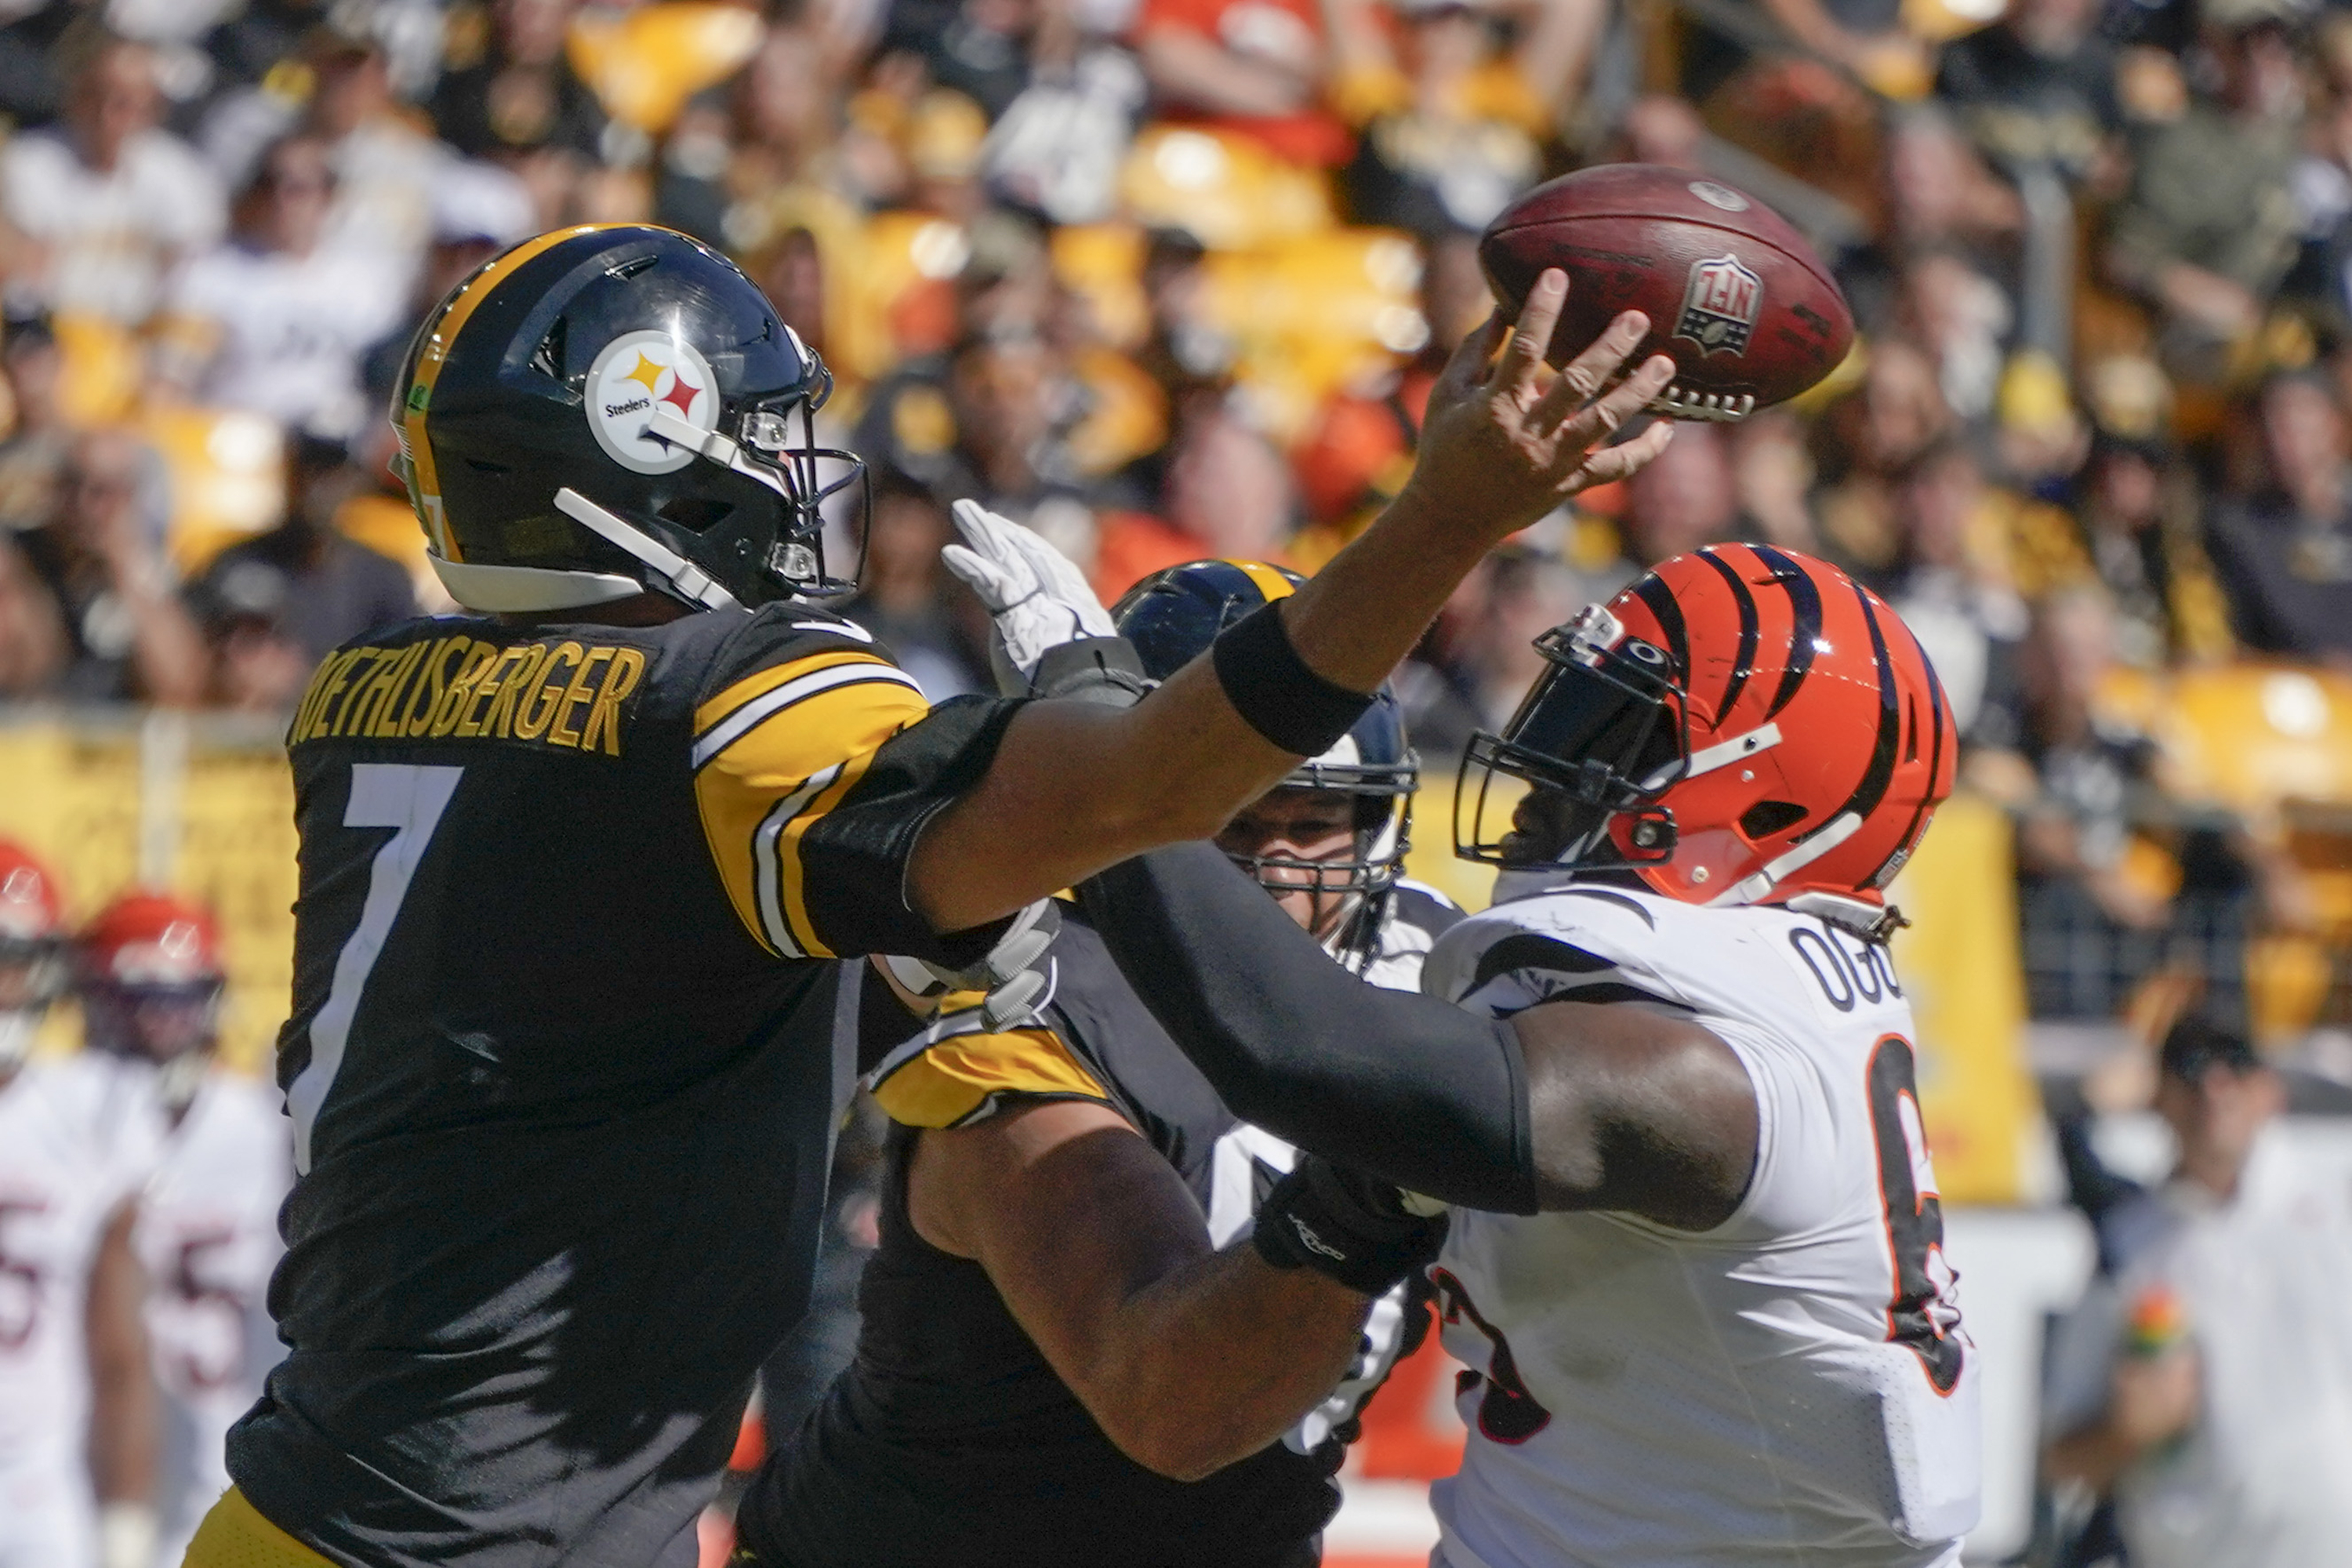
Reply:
x=961, y=1080
x=796, y=683
x=1270, y=583
x=233, y=1534
x=786, y=772
x=788, y=856
x=419, y=393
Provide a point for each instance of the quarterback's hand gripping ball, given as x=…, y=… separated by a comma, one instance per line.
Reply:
x=1036, y=595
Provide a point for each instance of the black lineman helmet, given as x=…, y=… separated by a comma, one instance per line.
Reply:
x=610, y=408
x=1171, y=616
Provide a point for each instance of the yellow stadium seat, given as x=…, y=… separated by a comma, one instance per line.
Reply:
x=101, y=370
x=2260, y=736
x=1102, y=263
x=642, y=65
x=227, y=472
x=1317, y=314
x=1229, y=192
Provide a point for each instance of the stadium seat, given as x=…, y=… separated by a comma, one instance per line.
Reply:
x=1226, y=190
x=102, y=369
x=1102, y=263
x=1317, y=314
x=227, y=471
x=642, y=65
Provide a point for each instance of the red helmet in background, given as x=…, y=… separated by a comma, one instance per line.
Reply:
x=149, y=972
x=1741, y=725
x=32, y=950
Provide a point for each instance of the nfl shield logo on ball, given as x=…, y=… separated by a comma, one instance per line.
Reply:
x=1719, y=305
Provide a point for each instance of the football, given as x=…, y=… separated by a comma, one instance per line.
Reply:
x=1733, y=292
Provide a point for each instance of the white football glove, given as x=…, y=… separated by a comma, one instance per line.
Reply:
x=1036, y=595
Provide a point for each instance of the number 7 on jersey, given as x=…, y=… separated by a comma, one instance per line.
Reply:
x=409, y=800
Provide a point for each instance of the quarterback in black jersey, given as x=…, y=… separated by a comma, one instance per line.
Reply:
x=1047, y=1374
x=568, y=1025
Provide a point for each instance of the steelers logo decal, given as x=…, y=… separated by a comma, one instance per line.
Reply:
x=636, y=373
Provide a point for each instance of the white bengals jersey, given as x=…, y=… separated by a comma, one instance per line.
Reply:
x=77, y=1139
x=207, y=1236
x=1792, y=1386
x=1249, y=1160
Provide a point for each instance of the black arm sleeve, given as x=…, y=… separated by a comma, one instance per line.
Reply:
x=1404, y=1087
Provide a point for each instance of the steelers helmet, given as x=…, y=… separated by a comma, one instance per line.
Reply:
x=1171, y=617
x=612, y=408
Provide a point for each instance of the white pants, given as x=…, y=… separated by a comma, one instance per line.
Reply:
x=47, y=1519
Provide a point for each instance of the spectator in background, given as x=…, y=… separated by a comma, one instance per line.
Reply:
x=2285, y=553
x=33, y=644
x=1955, y=601
x=479, y=210
x=109, y=199
x=2210, y=1385
x=2038, y=89
x=1260, y=68
x=904, y=598
x=33, y=456
x=510, y=90
x=277, y=321
x=2136, y=505
x=2116, y=881
x=103, y=563
x=1454, y=126
x=2209, y=227
x=1692, y=499
x=273, y=606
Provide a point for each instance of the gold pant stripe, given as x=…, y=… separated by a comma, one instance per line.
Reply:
x=234, y=1535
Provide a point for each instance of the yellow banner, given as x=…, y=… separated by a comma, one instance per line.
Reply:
x=206, y=811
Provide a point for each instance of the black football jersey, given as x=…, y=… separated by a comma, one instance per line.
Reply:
x=951, y=1439
x=565, y=1062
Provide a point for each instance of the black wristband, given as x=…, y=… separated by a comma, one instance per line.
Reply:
x=1352, y=1227
x=1271, y=686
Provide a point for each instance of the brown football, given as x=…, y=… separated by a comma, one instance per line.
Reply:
x=1733, y=292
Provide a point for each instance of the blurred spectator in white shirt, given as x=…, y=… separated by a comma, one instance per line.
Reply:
x=2211, y=1388
x=109, y=199
x=277, y=321
x=385, y=168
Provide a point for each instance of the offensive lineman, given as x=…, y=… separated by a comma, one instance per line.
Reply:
x=149, y=975
x=77, y=1141
x=565, y=1025
x=1707, y=1302
x=1048, y=1373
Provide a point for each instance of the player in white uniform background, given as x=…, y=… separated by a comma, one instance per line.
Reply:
x=78, y=1141
x=150, y=977
x=1706, y=1302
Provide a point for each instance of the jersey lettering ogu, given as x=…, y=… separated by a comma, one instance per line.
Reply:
x=1792, y=1386
x=207, y=1239
x=563, y=1065
x=77, y=1139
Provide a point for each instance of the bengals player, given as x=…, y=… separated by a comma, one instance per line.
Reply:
x=1697, y=1263
x=78, y=1141
x=577, y=870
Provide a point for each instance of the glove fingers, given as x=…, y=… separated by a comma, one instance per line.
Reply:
x=995, y=537
x=986, y=577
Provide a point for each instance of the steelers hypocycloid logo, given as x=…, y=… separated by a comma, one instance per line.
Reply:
x=636, y=373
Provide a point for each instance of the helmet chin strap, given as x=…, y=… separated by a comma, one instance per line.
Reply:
x=676, y=573
x=1748, y=889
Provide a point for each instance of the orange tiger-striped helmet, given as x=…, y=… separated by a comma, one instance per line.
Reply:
x=1741, y=725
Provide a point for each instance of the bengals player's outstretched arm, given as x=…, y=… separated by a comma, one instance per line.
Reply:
x=1567, y=1105
x=1075, y=787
